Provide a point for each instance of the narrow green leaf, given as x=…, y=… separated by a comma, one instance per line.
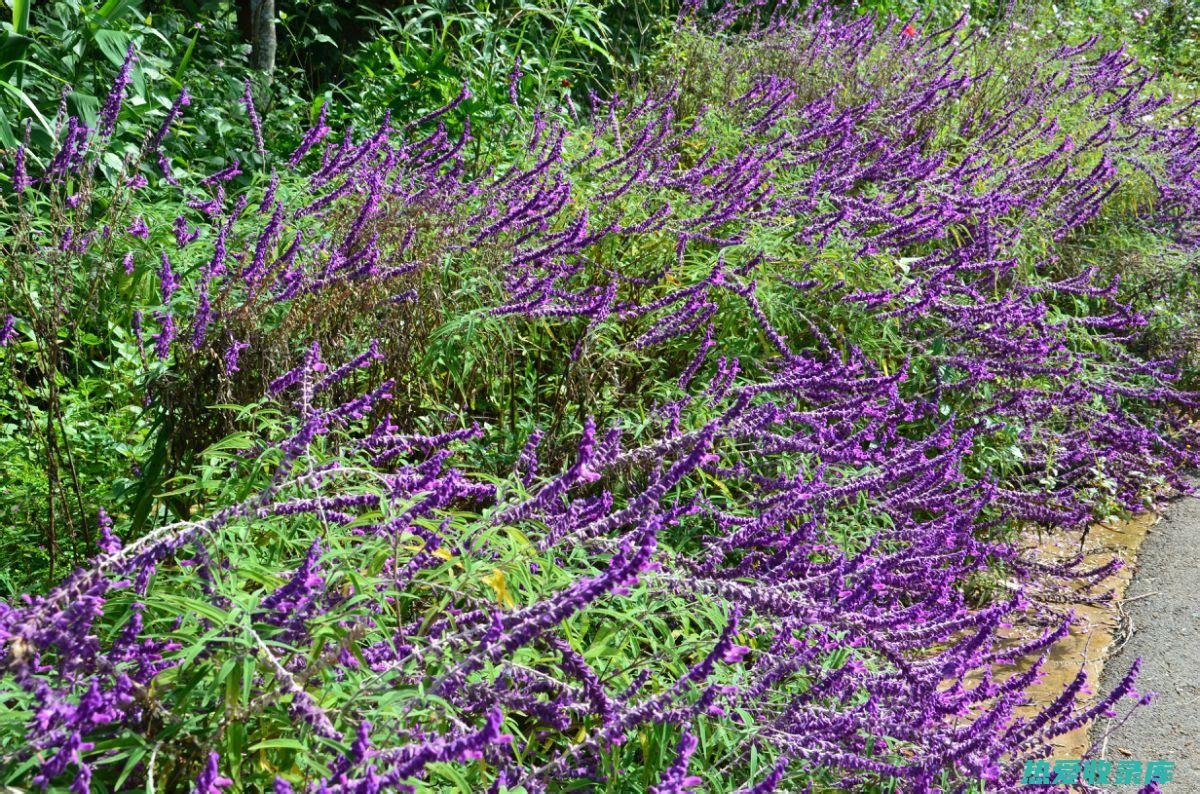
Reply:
x=187, y=57
x=20, y=16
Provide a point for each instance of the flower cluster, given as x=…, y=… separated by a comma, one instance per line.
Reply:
x=806, y=519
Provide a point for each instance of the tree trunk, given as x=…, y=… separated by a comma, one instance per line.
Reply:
x=243, y=19
x=262, y=35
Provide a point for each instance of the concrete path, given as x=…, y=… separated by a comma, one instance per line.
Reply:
x=1163, y=609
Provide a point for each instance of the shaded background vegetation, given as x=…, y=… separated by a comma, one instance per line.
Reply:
x=362, y=60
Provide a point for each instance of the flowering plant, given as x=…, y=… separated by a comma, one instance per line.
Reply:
x=870, y=357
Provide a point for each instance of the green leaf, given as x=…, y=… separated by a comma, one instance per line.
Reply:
x=235, y=741
x=131, y=762
x=12, y=50
x=85, y=106
x=187, y=57
x=203, y=608
x=25, y=100
x=449, y=773
x=152, y=475
x=20, y=16
x=277, y=744
x=8, y=132
x=113, y=9
x=113, y=44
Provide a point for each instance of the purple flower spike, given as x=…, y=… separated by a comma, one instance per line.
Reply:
x=210, y=780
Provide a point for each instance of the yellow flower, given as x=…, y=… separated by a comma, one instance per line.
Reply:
x=499, y=585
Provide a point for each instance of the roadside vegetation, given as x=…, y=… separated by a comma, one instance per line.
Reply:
x=575, y=395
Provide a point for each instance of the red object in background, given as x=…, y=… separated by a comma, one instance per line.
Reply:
x=566, y=82
x=908, y=31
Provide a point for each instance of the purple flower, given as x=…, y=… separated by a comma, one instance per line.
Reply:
x=138, y=228
x=231, y=355
x=183, y=234
x=165, y=336
x=676, y=780
x=314, y=135
x=167, y=280
x=154, y=144
x=514, y=81
x=210, y=780
x=112, y=103
x=20, y=179
x=247, y=101
x=108, y=542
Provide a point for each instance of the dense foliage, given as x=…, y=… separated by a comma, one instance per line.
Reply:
x=669, y=441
